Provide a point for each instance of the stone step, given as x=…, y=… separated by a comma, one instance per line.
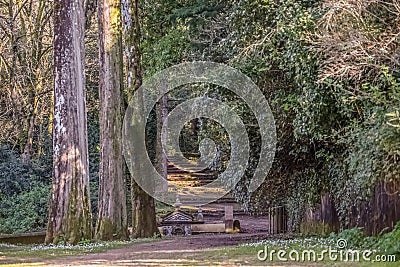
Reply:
x=183, y=178
x=181, y=172
x=188, y=183
x=223, y=200
x=190, y=178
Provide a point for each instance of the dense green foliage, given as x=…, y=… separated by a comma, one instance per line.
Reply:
x=388, y=243
x=24, y=194
x=330, y=73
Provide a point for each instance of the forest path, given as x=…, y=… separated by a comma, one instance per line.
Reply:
x=195, y=250
x=177, y=251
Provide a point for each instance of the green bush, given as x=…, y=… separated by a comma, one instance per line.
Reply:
x=355, y=237
x=389, y=243
x=25, y=212
x=24, y=194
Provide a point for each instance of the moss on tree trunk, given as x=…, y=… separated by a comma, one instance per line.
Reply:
x=69, y=213
x=112, y=214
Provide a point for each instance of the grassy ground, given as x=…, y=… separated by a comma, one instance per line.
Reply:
x=134, y=253
x=44, y=252
x=247, y=254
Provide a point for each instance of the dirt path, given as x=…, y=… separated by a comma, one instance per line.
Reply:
x=182, y=251
x=176, y=251
x=195, y=250
x=173, y=251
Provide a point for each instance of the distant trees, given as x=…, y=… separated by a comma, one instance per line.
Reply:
x=25, y=75
x=69, y=214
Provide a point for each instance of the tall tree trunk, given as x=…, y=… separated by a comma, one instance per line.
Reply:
x=161, y=157
x=69, y=213
x=143, y=207
x=112, y=215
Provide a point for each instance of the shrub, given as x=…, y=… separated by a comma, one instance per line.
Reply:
x=25, y=212
x=355, y=237
x=24, y=194
x=389, y=243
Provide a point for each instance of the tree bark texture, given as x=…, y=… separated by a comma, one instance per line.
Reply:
x=143, y=207
x=69, y=213
x=112, y=214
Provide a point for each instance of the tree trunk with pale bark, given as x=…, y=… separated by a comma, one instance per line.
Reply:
x=112, y=213
x=69, y=213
